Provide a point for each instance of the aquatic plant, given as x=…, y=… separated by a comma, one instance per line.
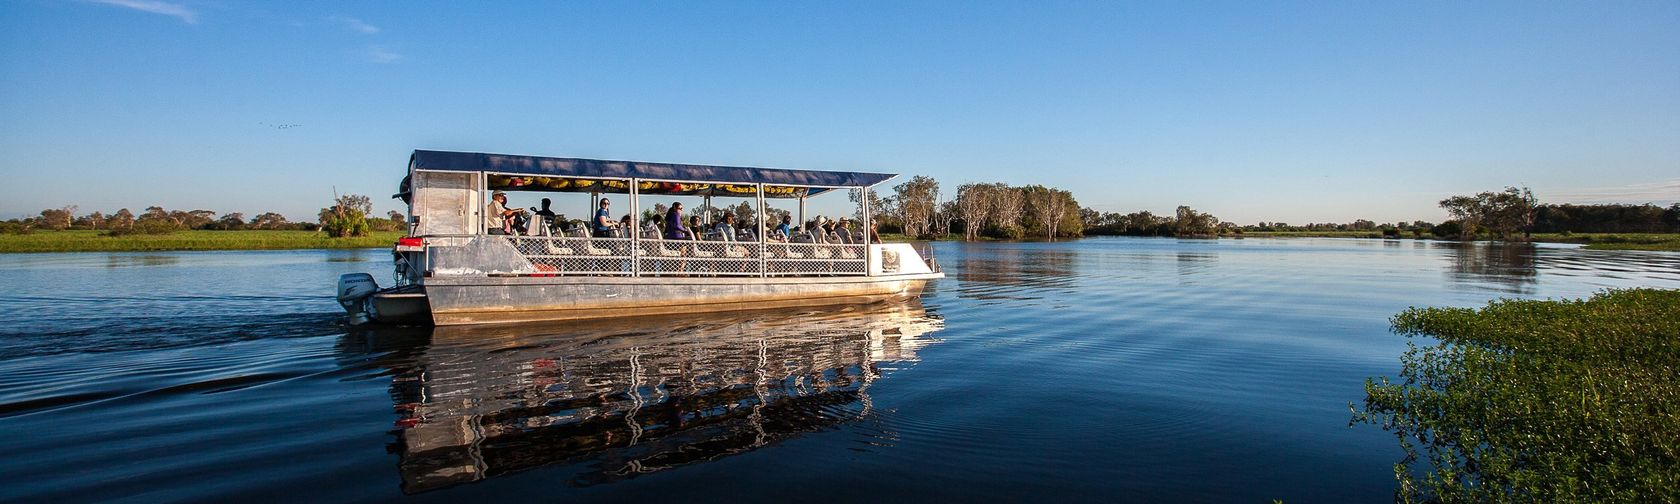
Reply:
x=1537, y=401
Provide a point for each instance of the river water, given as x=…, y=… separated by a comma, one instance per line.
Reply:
x=1093, y=370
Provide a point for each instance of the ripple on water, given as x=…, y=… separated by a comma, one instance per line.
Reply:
x=1152, y=369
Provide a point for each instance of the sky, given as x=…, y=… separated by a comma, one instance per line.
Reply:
x=1252, y=111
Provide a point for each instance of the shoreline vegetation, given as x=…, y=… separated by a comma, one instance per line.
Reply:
x=913, y=210
x=97, y=241
x=74, y=240
x=1536, y=401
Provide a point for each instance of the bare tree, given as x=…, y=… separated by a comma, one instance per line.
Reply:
x=973, y=203
x=1056, y=209
x=1006, y=205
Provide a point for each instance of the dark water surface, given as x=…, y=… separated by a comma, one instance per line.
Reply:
x=1099, y=370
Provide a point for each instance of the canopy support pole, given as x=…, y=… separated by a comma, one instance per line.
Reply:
x=863, y=198
x=802, y=209
x=762, y=248
x=635, y=228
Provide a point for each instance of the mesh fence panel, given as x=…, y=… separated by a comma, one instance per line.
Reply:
x=614, y=256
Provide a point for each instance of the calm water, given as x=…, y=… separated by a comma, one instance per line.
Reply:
x=1103, y=369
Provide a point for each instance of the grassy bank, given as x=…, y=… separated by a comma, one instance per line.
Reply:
x=94, y=241
x=1616, y=241
x=1537, y=401
x=1593, y=241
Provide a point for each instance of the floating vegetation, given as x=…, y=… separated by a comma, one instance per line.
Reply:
x=1537, y=401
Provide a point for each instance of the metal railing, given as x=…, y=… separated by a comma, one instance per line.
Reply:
x=587, y=256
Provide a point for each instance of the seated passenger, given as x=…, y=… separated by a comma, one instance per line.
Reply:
x=727, y=227
x=604, y=224
x=783, y=229
x=694, y=227
x=496, y=214
x=843, y=235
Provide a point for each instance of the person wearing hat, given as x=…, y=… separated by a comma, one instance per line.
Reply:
x=496, y=214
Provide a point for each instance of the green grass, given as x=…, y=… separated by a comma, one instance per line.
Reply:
x=94, y=241
x=1616, y=241
x=1593, y=241
x=1311, y=234
x=1537, y=401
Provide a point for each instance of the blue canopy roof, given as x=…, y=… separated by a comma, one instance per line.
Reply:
x=574, y=167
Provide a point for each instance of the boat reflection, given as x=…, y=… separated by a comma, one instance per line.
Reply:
x=620, y=398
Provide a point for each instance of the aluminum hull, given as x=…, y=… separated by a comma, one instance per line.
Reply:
x=482, y=300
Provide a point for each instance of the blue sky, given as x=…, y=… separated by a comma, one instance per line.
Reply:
x=1274, y=111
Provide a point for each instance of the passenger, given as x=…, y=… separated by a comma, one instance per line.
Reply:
x=546, y=222
x=727, y=227
x=604, y=224
x=496, y=214
x=625, y=226
x=674, y=224
x=784, y=229
x=694, y=227
x=874, y=237
x=845, y=235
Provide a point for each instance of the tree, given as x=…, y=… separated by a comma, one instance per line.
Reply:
x=95, y=220
x=947, y=212
x=877, y=205
x=1193, y=223
x=1006, y=208
x=231, y=221
x=745, y=215
x=56, y=218
x=916, y=202
x=973, y=203
x=157, y=213
x=1046, y=206
x=123, y=219
x=267, y=220
x=194, y=219
x=347, y=217
x=1504, y=212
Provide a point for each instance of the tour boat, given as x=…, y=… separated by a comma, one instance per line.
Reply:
x=452, y=270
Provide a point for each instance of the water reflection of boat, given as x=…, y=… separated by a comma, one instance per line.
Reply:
x=623, y=399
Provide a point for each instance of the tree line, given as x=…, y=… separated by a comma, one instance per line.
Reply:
x=1185, y=222
x=347, y=216
x=994, y=210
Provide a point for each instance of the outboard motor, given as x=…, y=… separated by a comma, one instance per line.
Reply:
x=353, y=292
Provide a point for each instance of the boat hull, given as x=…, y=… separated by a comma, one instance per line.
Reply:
x=482, y=300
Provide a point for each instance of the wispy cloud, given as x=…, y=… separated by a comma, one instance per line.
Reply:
x=156, y=7
x=1649, y=192
x=381, y=54
x=354, y=24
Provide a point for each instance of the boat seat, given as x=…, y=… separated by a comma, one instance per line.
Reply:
x=557, y=247
x=823, y=253
x=846, y=253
